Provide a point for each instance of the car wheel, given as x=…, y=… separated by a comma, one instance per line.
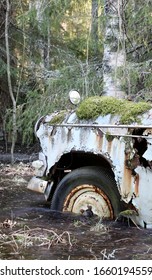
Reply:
x=88, y=186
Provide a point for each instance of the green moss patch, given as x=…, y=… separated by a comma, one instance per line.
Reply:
x=59, y=118
x=95, y=106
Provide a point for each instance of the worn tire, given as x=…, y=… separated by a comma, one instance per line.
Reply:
x=88, y=186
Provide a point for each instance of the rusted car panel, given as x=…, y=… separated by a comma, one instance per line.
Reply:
x=127, y=149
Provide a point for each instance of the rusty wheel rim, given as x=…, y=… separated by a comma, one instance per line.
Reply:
x=82, y=196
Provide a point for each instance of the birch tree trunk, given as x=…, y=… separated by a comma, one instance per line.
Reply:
x=14, y=128
x=44, y=40
x=114, y=49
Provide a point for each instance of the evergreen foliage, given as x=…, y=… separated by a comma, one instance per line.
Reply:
x=56, y=46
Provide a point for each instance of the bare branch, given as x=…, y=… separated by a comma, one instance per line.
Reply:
x=9, y=79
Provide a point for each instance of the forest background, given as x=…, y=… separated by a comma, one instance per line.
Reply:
x=49, y=47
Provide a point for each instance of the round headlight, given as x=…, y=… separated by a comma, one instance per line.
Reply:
x=74, y=97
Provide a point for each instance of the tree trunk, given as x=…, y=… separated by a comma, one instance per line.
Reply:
x=114, y=50
x=44, y=42
x=94, y=26
x=14, y=129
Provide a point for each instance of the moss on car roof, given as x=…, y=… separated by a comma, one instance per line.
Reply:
x=96, y=106
x=58, y=118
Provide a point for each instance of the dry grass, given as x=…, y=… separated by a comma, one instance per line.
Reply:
x=24, y=238
x=20, y=169
x=100, y=227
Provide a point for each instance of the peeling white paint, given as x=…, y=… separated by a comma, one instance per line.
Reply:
x=133, y=186
x=144, y=200
x=148, y=154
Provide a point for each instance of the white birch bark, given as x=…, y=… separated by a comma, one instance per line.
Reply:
x=114, y=51
x=44, y=46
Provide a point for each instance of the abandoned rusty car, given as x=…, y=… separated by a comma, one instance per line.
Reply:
x=98, y=155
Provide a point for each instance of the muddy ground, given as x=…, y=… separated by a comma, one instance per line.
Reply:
x=29, y=230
